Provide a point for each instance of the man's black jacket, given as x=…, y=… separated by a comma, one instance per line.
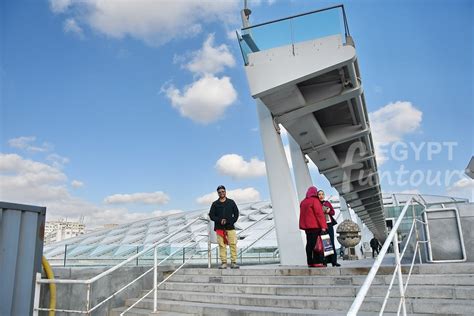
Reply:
x=224, y=210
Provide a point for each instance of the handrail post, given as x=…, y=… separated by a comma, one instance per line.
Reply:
x=399, y=271
x=155, y=277
x=65, y=253
x=209, y=250
x=416, y=233
x=138, y=247
x=36, y=301
x=88, y=299
x=378, y=261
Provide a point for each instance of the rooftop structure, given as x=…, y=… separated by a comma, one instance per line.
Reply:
x=255, y=226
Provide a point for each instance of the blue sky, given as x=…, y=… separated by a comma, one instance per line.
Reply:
x=106, y=110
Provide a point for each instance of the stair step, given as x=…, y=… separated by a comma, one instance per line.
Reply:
x=211, y=309
x=371, y=304
x=443, y=289
x=145, y=312
x=422, y=291
x=316, y=290
x=460, y=268
x=432, y=279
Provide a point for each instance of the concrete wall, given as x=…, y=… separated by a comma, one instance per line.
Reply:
x=73, y=296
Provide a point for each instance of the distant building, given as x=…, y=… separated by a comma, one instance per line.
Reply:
x=62, y=229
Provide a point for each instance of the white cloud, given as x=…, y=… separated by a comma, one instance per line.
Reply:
x=391, y=123
x=71, y=26
x=59, y=6
x=235, y=166
x=57, y=160
x=26, y=143
x=25, y=181
x=17, y=172
x=463, y=188
x=238, y=195
x=142, y=197
x=123, y=215
x=77, y=184
x=205, y=100
x=257, y=3
x=154, y=22
x=210, y=59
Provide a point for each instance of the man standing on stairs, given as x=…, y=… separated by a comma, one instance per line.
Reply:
x=224, y=213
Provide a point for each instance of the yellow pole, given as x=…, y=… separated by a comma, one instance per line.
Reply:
x=52, y=286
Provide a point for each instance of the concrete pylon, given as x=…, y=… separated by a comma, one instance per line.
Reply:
x=344, y=209
x=300, y=169
x=282, y=192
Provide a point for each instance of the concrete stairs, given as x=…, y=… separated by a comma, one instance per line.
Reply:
x=444, y=289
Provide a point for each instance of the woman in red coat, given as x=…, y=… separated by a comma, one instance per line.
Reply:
x=329, y=212
x=313, y=222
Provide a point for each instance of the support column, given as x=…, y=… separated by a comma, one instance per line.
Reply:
x=300, y=169
x=344, y=209
x=282, y=192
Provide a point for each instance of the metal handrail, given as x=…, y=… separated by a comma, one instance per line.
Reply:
x=155, y=286
x=248, y=227
x=257, y=240
x=89, y=282
x=139, y=277
x=346, y=26
x=399, y=264
x=393, y=236
x=247, y=29
x=107, y=272
x=154, y=246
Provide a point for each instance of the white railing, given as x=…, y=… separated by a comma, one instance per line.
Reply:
x=89, y=309
x=393, y=237
x=155, y=279
x=90, y=281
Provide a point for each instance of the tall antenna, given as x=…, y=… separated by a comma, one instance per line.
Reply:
x=245, y=14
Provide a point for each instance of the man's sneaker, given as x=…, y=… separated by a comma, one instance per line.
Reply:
x=234, y=266
x=223, y=266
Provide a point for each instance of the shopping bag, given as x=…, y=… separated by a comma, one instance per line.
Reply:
x=327, y=245
x=319, y=246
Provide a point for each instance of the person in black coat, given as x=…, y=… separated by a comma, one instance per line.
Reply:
x=224, y=213
x=375, y=245
x=331, y=222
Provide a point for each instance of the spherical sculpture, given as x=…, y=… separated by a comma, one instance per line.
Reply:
x=349, y=233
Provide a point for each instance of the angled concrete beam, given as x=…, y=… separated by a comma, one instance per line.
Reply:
x=347, y=165
x=344, y=137
x=313, y=107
